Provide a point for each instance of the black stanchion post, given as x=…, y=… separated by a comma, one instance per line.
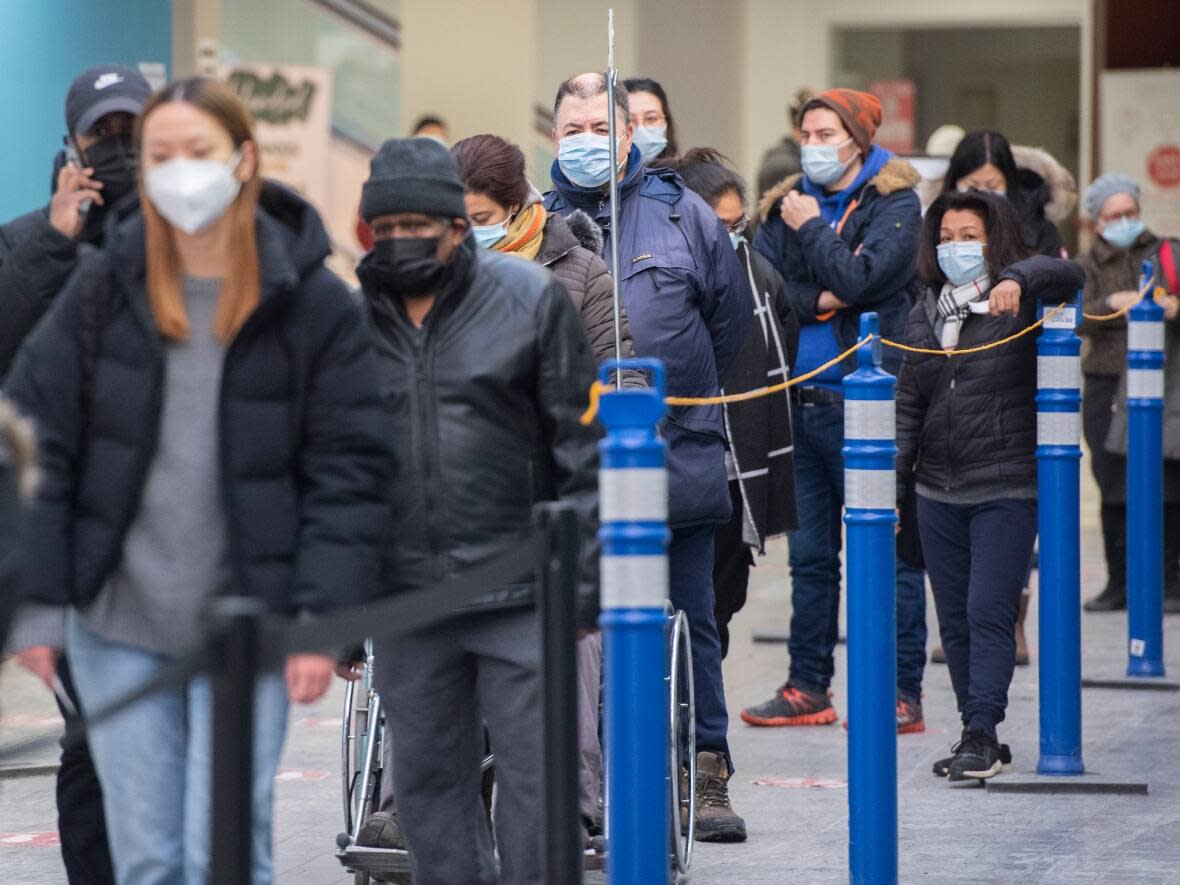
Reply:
x=557, y=589
x=235, y=663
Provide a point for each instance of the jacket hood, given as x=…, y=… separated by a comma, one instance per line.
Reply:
x=895, y=175
x=1046, y=182
x=563, y=235
x=292, y=240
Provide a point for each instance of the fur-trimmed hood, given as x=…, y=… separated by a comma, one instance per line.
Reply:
x=896, y=175
x=1063, y=189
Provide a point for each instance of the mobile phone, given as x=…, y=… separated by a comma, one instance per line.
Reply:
x=76, y=161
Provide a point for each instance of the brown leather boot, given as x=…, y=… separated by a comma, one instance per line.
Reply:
x=716, y=820
x=1021, y=642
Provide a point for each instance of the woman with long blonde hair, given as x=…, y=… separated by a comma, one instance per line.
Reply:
x=209, y=424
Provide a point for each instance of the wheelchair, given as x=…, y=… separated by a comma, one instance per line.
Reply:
x=361, y=755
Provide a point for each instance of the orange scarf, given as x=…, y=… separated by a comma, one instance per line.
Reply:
x=524, y=233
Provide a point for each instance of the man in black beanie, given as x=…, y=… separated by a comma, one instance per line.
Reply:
x=485, y=363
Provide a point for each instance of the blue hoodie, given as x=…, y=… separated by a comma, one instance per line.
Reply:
x=817, y=341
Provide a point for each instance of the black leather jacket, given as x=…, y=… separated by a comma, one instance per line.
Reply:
x=486, y=396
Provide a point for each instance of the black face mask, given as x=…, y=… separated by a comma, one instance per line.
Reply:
x=403, y=267
x=113, y=161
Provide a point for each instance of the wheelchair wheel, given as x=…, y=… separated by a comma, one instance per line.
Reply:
x=360, y=747
x=682, y=743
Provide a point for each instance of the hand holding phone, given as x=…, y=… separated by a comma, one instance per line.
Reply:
x=76, y=192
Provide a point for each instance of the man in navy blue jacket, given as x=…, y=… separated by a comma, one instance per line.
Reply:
x=684, y=291
x=844, y=236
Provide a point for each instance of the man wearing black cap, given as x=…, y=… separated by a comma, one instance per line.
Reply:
x=485, y=364
x=38, y=251
x=95, y=170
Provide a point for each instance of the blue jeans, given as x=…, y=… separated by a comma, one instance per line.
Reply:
x=815, y=562
x=978, y=557
x=155, y=763
x=690, y=579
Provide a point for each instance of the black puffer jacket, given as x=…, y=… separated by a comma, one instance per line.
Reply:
x=35, y=261
x=487, y=395
x=305, y=456
x=970, y=421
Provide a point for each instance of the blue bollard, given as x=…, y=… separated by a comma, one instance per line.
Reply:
x=1145, y=508
x=1059, y=455
x=870, y=500
x=633, y=511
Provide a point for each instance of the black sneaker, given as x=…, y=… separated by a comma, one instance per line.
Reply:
x=381, y=829
x=1112, y=599
x=976, y=758
x=942, y=767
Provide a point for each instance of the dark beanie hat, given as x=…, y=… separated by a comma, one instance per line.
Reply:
x=413, y=175
x=860, y=113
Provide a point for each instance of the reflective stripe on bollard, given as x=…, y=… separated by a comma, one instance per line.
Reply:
x=1059, y=403
x=633, y=511
x=870, y=500
x=1145, y=508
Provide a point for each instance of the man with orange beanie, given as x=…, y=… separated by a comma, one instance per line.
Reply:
x=844, y=236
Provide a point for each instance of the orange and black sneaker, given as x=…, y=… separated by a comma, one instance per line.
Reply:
x=909, y=715
x=792, y=705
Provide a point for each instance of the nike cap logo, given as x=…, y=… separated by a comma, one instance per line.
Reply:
x=108, y=80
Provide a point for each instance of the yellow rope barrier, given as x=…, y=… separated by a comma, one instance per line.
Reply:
x=1158, y=295
x=598, y=388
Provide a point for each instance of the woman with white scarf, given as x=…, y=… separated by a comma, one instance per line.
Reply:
x=966, y=437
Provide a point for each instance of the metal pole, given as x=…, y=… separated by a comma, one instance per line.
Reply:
x=557, y=591
x=612, y=78
x=633, y=509
x=231, y=830
x=870, y=499
x=1059, y=455
x=1145, y=508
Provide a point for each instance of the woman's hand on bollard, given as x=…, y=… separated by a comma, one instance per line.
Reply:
x=1004, y=298
x=308, y=677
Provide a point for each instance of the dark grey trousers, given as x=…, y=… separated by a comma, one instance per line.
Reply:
x=439, y=686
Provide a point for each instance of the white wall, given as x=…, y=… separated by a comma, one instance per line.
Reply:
x=788, y=44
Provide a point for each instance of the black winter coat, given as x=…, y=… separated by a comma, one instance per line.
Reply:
x=487, y=397
x=35, y=261
x=969, y=421
x=305, y=455
x=759, y=430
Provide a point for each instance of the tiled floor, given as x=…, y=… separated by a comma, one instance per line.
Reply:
x=798, y=833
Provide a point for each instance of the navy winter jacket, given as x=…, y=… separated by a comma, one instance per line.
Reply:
x=305, y=456
x=687, y=297
x=870, y=265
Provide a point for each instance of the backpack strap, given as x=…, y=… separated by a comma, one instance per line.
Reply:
x=1167, y=262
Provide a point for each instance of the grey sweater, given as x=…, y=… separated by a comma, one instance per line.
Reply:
x=175, y=553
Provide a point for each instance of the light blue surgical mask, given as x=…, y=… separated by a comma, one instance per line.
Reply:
x=487, y=235
x=737, y=239
x=1123, y=232
x=962, y=262
x=585, y=159
x=821, y=162
x=651, y=141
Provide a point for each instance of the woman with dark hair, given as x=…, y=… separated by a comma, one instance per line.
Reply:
x=966, y=438
x=655, y=130
x=507, y=216
x=210, y=424
x=760, y=460
x=984, y=161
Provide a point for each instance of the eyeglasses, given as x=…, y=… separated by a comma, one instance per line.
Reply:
x=651, y=118
x=739, y=226
x=1119, y=216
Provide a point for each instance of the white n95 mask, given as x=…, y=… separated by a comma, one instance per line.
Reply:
x=192, y=194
